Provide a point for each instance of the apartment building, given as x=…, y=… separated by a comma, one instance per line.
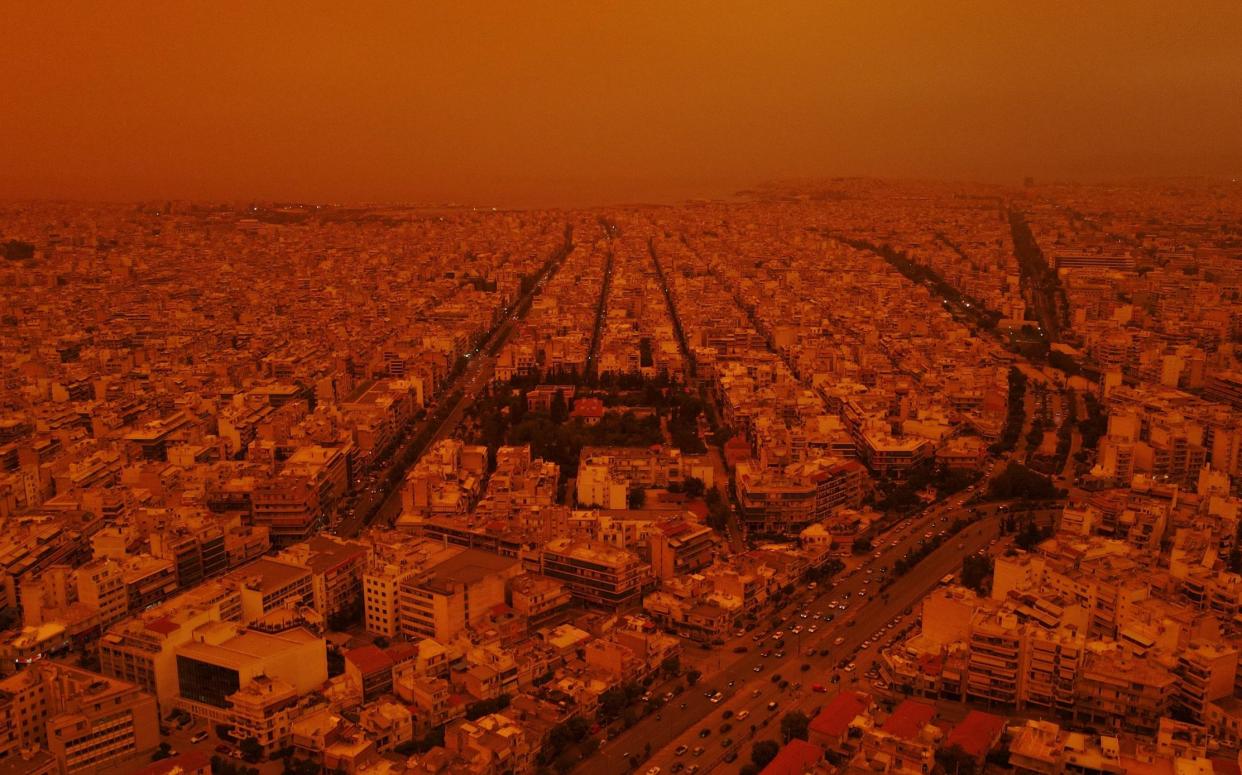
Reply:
x=288, y=506
x=453, y=593
x=679, y=547
x=264, y=709
x=85, y=720
x=596, y=573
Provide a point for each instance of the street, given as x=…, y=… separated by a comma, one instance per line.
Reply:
x=752, y=690
x=374, y=504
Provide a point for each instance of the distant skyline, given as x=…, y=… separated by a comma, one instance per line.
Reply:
x=563, y=104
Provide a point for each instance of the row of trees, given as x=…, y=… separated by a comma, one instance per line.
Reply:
x=1017, y=482
x=1016, y=413
x=1051, y=304
x=925, y=275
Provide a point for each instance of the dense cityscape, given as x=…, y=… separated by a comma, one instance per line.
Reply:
x=844, y=476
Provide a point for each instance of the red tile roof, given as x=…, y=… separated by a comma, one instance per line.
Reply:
x=977, y=733
x=794, y=759
x=835, y=718
x=400, y=652
x=588, y=407
x=163, y=626
x=368, y=659
x=909, y=718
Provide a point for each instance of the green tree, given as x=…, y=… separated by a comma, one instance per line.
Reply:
x=976, y=571
x=611, y=703
x=637, y=498
x=954, y=760
x=861, y=545
x=671, y=666
x=694, y=487
x=692, y=677
x=559, y=411
x=794, y=724
x=1018, y=481
x=763, y=752
x=251, y=749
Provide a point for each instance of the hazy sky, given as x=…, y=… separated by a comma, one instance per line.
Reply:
x=527, y=102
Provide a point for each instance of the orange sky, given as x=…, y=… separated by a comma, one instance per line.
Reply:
x=541, y=103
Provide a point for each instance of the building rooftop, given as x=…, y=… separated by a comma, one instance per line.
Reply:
x=834, y=718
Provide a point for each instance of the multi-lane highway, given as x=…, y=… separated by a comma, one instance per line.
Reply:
x=746, y=684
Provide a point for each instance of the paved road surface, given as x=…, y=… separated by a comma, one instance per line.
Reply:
x=680, y=726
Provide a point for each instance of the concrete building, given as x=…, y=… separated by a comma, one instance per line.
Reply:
x=85, y=720
x=222, y=658
x=454, y=593
x=596, y=573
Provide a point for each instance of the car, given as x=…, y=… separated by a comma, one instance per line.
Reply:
x=818, y=688
x=779, y=655
x=740, y=649
x=704, y=732
x=725, y=728
x=756, y=693
x=772, y=705
x=677, y=767
x=731, y=757
x=726, y=743
x=811, y=629
x=222, y=748
x=681, y=750
x=717, y=697
x=693, y=768
x=698, y=750
x=654, y=770
x=850, y=667
x=742, y=715
x=838, y=641
x=758, y=668
x=199, y=736
x=776, y=677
